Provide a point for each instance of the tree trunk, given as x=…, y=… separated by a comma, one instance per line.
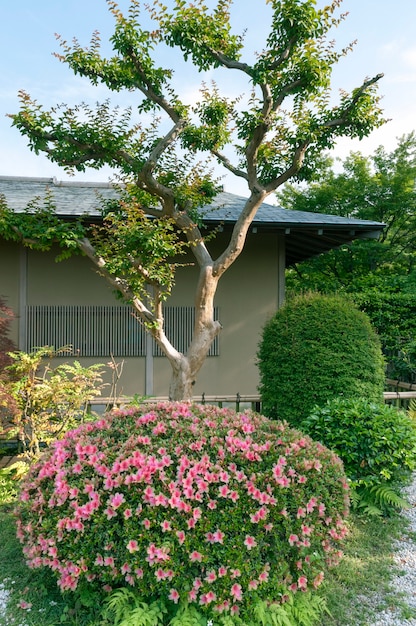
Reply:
x=186, y=368
x=182, y=381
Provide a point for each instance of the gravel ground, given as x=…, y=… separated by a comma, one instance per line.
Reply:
x=405, y=557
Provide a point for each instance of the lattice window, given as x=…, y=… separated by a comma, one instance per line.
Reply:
x=179, y=324
x=99, y=331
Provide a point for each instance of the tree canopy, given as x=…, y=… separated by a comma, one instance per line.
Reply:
x=164, y=148
x=380, y=187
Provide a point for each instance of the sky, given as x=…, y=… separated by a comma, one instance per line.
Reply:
x=384, y=31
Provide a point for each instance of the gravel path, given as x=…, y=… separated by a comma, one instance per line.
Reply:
x=405, y=557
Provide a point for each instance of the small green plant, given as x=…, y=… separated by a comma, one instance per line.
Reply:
x=9, y=481
x=377, y=444
x=185, y=504
x=49, y=400
x=124, y=607
x=316, y=348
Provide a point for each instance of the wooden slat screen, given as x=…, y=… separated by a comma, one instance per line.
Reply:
x=101, y=330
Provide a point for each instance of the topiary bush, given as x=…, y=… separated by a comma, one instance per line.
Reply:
x=376, y=442
x=315, y=348
x=195, y=505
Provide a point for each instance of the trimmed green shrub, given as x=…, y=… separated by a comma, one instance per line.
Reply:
x=315, y=348
x=376, y=442
x=189, y=505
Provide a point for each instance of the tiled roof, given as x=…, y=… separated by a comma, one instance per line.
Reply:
x=83, y=198
x=307, y=234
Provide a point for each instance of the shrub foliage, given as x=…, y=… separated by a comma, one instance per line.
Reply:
x=393, y=315
x=375, y=441
x=315, y=348
x=193, y=505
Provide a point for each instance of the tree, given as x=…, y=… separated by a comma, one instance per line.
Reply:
x=277, y=133
x=380, y=188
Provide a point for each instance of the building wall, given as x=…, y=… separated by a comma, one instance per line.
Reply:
x=247, y=296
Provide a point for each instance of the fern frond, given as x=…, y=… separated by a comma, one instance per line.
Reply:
x=187, y=616
x=376, y=500
x=118, y=605
x=411, y=411
x=386, y=495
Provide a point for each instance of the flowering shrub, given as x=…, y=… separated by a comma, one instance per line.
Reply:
x=188, y=503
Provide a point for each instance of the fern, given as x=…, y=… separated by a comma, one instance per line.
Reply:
x=301, y=609
x=125, y=608
x=308, y=609
x=377, y=500
x=187, y=616
x=118, y=605
x=146, y=615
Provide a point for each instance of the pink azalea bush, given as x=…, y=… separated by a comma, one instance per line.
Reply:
x=188, y=503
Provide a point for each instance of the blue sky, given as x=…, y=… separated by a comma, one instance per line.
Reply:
x=386, y=43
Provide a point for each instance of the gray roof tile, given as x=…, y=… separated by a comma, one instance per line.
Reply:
x=306, y=234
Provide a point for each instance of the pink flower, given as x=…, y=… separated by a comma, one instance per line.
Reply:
x=26, y=606
x=207, y=598
x=110, y=513
x=197, y=513
x=181, y=536
x=132, y=546
x=222, y=571
x=293, y=539
x=174, y=596
x=127, y=513
x=302, y=582
x=236, y=591
x=195, y=556
x=117, y=500
x=211, y=576
x=166, y=526
x=250, y=542
x=264, y=576
x=277, y=471
x=224, y=491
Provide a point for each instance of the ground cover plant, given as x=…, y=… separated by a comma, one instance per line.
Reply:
x=317, y=347
x=187, y=505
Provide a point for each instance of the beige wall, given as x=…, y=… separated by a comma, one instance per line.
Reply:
x=246, y=297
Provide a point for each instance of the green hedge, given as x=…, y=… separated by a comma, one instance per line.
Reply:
x=393, y=315
x=316, y=348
